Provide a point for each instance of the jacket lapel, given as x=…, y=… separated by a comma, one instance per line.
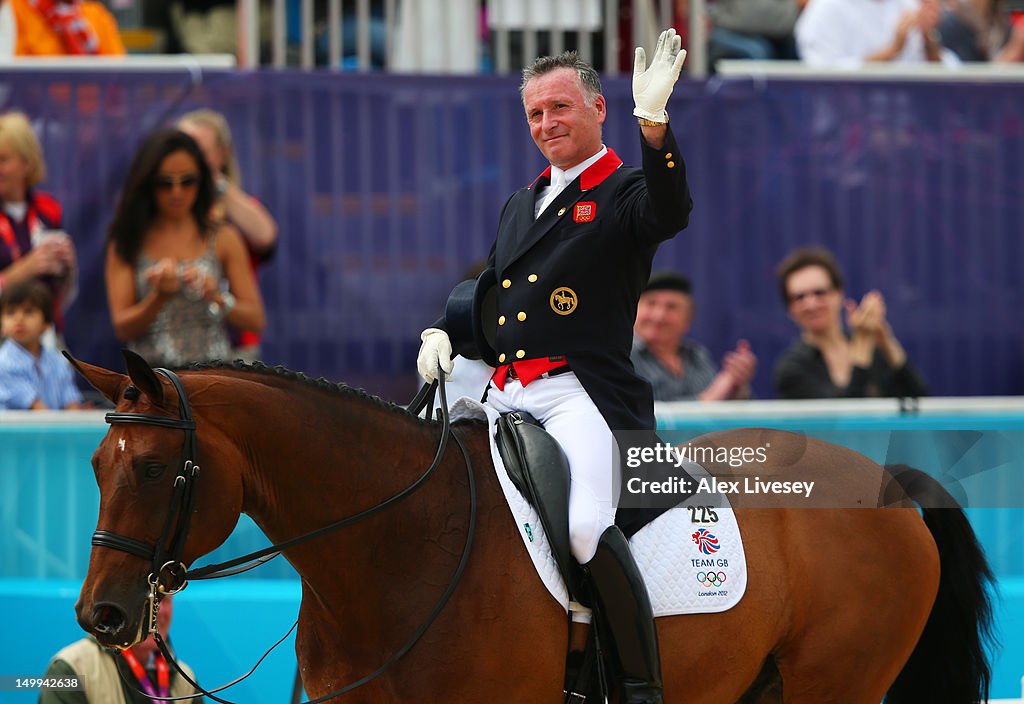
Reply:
x=526, y=231
x=512, y=236
x=530, y=231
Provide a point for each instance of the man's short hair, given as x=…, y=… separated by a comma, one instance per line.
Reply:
x=32, y=292
x=586, y=75
x=801, y=259
x=668, y=281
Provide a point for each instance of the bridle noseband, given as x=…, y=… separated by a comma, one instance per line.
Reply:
x=165, y=555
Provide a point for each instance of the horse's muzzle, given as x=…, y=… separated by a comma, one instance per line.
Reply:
x=109, y=623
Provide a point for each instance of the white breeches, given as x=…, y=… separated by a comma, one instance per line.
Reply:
x=565, y=410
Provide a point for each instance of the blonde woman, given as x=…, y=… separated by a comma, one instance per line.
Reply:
x=32, y=243
x=256, y=225
x=211, y=131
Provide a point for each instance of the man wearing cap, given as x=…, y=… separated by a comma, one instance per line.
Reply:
x=572, y=254
x=679, y=369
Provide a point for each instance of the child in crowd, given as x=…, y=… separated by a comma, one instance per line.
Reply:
x=32, y=376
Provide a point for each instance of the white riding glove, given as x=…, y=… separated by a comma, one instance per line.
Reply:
x=652, y=86
x=436, y=348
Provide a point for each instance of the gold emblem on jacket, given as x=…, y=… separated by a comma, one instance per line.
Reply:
x=563, y=300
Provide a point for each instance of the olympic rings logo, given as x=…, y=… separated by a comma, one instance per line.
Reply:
x=711, y=579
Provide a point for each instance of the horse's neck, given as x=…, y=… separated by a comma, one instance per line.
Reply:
x=396, y=561
x=313, y=462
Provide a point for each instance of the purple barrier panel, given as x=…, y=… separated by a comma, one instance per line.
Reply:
x=386, y=188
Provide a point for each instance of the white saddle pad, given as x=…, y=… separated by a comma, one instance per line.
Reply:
x=692, y=559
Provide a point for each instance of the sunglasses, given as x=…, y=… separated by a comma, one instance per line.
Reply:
x=816, y=293
x=166, y=183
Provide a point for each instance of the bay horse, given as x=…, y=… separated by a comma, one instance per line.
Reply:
x=842, y=605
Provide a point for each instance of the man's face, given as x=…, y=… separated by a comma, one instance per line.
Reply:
x=566, y=130
x=24, y=323
x=663, y=318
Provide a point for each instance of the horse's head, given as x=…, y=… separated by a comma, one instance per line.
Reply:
x=158, y=512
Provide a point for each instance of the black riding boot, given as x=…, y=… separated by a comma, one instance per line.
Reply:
x=626, y=608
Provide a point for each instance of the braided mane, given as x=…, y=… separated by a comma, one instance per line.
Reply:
x=323, y=384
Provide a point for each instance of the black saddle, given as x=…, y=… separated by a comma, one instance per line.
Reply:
x=538, y=467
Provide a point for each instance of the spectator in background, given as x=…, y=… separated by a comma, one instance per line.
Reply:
x=117, y=676
x=678, y=369
x=981, y=30
x=173, y=277
x=753, y=29
x=233, y=205
x=32, y=376
x=826, y=362
x=205, y=26
x=63, y=27
x=850, y=33
x=32, y=244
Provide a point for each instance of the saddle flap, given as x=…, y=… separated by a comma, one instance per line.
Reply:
x=538, y=467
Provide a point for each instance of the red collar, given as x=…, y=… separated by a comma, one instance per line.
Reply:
x=594, y=174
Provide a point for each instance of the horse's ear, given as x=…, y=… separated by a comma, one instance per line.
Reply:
x=143, y=376
x=103, y=380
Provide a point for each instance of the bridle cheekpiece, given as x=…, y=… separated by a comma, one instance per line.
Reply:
x=165, y=555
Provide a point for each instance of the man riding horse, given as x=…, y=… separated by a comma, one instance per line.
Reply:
x=572, y=254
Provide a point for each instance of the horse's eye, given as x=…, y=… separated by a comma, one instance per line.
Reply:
x=131, y=394
x=154, y=469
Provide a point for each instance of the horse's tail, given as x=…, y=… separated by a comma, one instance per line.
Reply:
x=949, y=664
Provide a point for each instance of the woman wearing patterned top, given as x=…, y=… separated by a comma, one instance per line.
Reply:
x=173, y=278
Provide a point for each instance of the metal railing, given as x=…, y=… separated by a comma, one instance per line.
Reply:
x=451, y=36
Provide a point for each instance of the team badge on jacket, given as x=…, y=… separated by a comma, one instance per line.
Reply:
x=563, y=300
x=585, y=211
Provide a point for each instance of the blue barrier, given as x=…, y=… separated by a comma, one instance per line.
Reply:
x=223, y=629
x=387, y=187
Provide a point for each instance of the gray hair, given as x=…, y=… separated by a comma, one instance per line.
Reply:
x=586, y=75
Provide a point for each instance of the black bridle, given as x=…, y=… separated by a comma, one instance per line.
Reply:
x=165, y=555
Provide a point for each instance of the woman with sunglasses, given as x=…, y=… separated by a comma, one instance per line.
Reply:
x=826, y=362
x=173, y=277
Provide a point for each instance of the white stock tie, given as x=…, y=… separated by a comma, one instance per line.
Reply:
x=557, y=186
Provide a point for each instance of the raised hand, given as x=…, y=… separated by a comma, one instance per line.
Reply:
x=740, y=364
x=653, y=85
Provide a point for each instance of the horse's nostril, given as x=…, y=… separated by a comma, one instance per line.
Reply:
x=108, y=619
